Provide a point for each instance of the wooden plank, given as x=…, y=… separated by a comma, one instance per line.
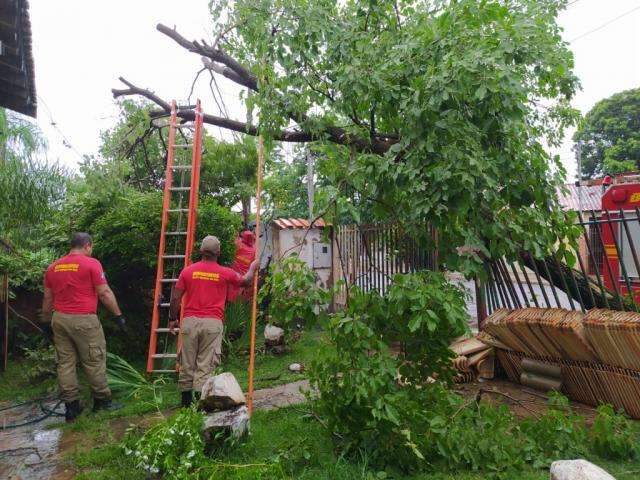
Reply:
x=469, y=347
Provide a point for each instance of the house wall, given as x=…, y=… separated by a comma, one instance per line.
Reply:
x=310, y=246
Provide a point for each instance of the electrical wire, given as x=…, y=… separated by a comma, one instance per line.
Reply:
x=65, y=141
x=605, y=24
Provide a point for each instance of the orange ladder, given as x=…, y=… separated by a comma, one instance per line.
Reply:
x=180, y=202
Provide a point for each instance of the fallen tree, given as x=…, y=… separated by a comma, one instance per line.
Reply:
x=435, y=110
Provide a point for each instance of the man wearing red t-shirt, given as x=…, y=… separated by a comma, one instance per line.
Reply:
x=205, y=285
x=245, y=254
x=72, y=286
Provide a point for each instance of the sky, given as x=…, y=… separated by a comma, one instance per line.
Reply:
x=81, y=47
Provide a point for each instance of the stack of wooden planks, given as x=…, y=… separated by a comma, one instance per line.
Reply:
x=615, y=337
x=544, y=332
x=593, y=358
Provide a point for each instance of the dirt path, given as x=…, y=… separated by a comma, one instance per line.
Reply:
x=37, y=452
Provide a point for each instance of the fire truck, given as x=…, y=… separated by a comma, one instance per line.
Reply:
x=619, y=229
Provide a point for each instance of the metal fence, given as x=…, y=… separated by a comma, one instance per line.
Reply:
x=369, y=255
x=604, y=274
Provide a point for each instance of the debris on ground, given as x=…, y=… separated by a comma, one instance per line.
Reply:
x=296, y=367
x=234, y=422
x=474, y=359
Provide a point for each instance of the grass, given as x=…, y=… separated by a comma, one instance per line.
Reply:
x=287, y=444
x=273, y=370
x=16, y=387
x=284, y=444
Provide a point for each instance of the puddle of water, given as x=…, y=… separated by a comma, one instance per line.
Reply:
x=29, y=451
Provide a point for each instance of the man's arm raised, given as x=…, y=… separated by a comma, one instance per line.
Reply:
x=248, y=277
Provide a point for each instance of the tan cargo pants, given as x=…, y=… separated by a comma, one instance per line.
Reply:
x=201, y=350
x=80, y=337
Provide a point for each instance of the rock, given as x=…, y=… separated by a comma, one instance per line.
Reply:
x=234, y=422
x=32, y=459
x=273, y=336
x=221, y=392
x=577, y=470
x=296, y=367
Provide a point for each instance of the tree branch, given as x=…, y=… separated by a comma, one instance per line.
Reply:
x=244, y=76
x=239, y=74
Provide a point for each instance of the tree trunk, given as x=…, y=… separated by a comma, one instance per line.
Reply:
x=246, y=210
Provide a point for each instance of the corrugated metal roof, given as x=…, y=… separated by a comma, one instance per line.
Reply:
x=591, y=197
x=285, y=223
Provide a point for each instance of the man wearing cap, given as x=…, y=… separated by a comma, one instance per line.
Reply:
x=205, y=285
x=245, y=254
x=72, y=286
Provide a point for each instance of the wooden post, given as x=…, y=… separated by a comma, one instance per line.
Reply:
x=481, y=304
x=254, y=300
x=4, y=319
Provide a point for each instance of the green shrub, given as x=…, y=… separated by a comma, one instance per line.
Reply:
x=559, y=433
x=480, y=437
x=614, y=436
x=125, y=224
x=294, y=296
x=173, y=448
x=41, y=362
x=374, y=387
x=26, y=267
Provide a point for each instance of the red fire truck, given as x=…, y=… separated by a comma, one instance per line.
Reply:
x=620, y=234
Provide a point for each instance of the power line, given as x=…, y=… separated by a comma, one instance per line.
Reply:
x=54, y=124
x=605, y=24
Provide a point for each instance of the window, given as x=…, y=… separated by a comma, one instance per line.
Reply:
x=627, y=255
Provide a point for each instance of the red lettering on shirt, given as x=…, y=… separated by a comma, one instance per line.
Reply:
x=205, y=284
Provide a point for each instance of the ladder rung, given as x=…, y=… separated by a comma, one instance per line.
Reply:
x=178, y=210
x=166, y=330
x=163, y=371
x=164, y=355
x=172, y=257
x=183, y=145
x=179, y=189
x=182, y=167
x=175, y=233
x=169, y=280
x=164, y=305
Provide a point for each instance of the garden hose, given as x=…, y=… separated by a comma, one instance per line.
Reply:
x=47, y=413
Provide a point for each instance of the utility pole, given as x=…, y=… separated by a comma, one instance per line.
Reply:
x=310, y=186
x=579, y=158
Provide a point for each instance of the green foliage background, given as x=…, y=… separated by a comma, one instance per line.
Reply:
x=610, y=135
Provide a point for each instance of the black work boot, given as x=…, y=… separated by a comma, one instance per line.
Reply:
x=105, y=404
x=187, y=399
x=72, y=410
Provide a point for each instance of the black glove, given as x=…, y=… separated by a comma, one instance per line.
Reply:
x=47, y=331
x=121, y=322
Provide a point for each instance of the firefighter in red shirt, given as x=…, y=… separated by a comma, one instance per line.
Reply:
x=245, y=254
x=205, y=286
x=72, y=286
